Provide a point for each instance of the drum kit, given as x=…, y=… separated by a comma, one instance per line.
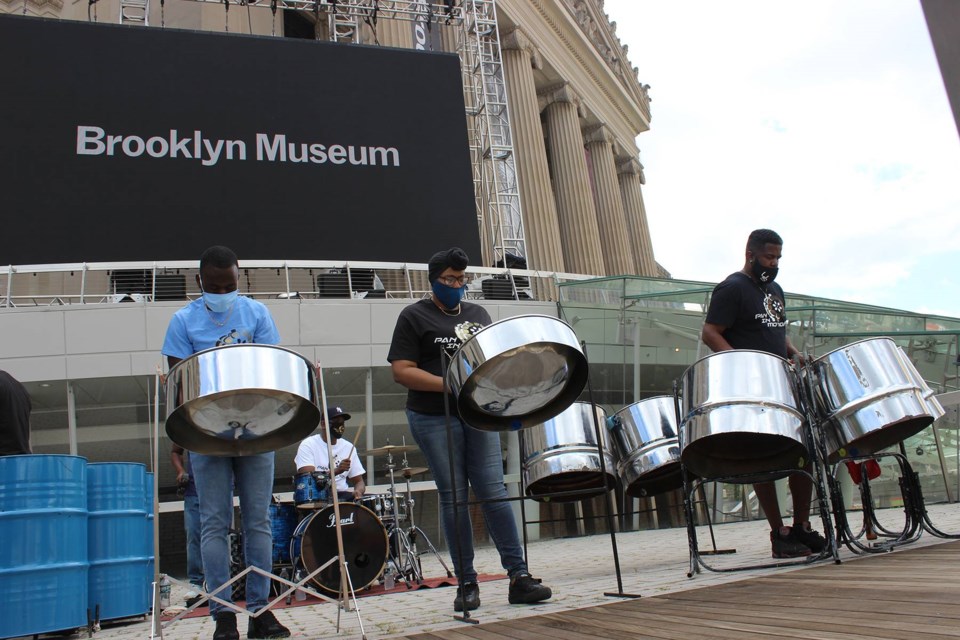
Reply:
x=380, y=534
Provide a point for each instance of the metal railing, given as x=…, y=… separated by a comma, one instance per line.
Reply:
x=147, y=282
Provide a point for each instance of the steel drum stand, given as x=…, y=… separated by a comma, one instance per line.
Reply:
x=814, y=436
x=466, y=617
x=346, y=592
x=912, y=481
x=911, y=528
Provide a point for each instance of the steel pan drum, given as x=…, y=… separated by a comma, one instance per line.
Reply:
x=241, y=400
x=929, y=395
x=517, y=373
x=869, y=398
x=645, y=439
x=561, y=454
x=742, y=417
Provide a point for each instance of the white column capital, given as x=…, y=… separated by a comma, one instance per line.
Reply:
x=561, y=92
x=598, y=133
x=516, y=39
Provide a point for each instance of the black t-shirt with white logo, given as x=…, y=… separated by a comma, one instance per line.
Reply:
x=422, y=333
x=755, y=315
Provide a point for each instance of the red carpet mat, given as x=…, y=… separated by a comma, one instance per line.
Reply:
x=376, y=590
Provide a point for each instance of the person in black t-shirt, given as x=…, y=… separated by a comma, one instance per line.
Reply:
x=747, y=311
x=424, y=331
x=15, y=410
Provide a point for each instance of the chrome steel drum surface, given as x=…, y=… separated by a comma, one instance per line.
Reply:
x=562, y=455
x=645, y=439
x=241, y=399
x=869, y=398
x=742, y=417
x=517, y=373
x=929, y=395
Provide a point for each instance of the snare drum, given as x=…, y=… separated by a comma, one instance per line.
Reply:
x=741, y=416
x=870, y=399
x=387, y=509
x=561, y=454
x=311, y=490
x=364, y=546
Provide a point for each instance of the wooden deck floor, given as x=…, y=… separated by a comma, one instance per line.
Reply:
x=909, y=594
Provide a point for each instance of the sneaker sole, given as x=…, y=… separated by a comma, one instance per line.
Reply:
x=533, y=599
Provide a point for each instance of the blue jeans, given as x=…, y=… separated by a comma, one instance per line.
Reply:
x=191, y=525
x=216, y=477
x=477, y=457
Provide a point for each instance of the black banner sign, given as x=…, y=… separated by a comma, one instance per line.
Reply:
x=122, y=143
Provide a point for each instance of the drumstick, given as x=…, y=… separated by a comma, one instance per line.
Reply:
x=353, y=445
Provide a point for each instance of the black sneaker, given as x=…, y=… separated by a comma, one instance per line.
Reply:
x=471, y=595
x=525, y=589
x=226, y=626
x=786, y=546
x=808, y=537
x=266, y=626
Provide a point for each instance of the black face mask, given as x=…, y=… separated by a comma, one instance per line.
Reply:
x=763, y=275
x=338, y=430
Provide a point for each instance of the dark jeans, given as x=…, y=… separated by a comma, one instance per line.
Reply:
x=477, y=457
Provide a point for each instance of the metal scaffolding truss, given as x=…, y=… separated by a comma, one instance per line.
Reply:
x=496, y=191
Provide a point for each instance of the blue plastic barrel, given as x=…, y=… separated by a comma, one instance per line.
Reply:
x=148, y=546
x=43, y=544
x=117, y=531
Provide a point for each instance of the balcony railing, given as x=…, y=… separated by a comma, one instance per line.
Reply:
x=145, y=282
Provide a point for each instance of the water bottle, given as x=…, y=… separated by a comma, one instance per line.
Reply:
x=164, y=592
x=301, y=595
x=388, y=580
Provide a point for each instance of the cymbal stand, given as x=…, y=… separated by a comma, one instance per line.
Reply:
x=413, y=532
x=396, y=550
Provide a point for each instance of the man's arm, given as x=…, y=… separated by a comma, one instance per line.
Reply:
x=408, y=374
x=712, y=336
x=359, y=486
x=176, y=459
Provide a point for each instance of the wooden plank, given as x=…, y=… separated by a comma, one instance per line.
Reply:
x=900, y=596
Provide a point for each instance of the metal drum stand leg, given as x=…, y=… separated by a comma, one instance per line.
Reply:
x=912, y=528
x=912, y=480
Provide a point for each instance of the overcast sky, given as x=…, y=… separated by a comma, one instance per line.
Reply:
x=826, y=121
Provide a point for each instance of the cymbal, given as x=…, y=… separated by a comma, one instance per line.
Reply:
x=390, y=449
x=409, y=472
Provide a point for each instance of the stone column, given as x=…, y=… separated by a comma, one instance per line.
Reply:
x=541, y=227
x=576, y=212
x=618, y=256
x=631, y=177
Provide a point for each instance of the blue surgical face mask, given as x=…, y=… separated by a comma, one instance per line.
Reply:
x=448, y=296
x=219, y=302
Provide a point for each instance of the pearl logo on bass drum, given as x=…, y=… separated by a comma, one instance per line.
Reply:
x=343, y=521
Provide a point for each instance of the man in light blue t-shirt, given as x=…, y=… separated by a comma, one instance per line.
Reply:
x=221, y=317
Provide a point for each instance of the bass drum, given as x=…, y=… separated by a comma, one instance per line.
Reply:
x=562, y=455
x=646, y=441
x=364, y=546
x=870, y=398
x=742, y=417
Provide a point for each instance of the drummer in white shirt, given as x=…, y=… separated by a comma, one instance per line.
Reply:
x=312, y=456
